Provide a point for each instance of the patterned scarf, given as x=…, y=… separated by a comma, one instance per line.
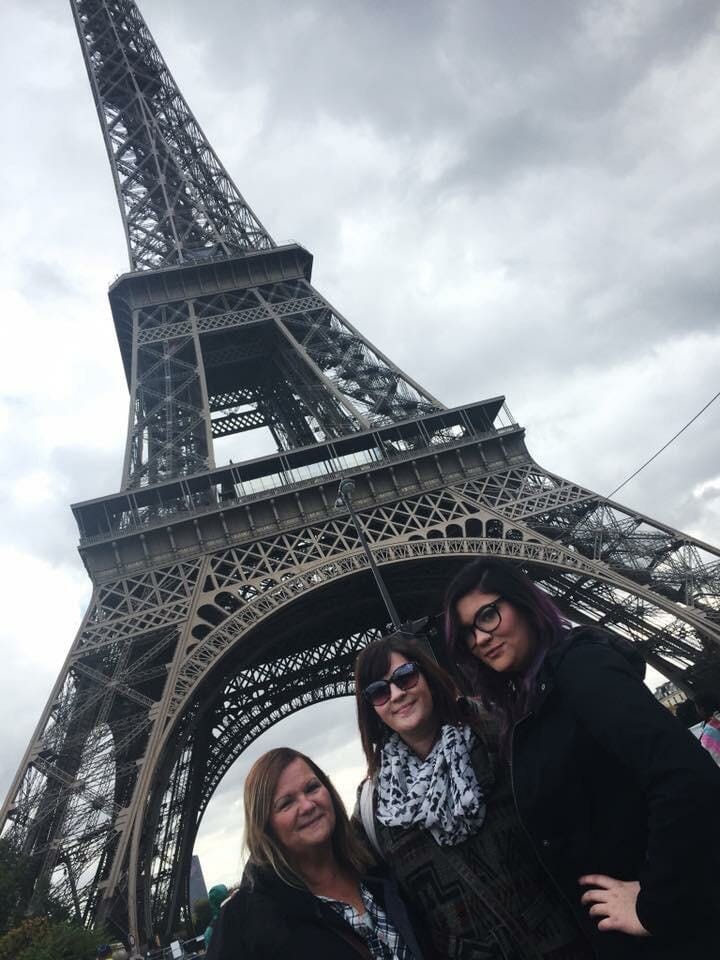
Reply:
x=440, y=794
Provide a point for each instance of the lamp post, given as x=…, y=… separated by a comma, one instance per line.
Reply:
x=346, y=490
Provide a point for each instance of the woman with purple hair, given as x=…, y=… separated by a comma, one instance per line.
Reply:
x=619, y=801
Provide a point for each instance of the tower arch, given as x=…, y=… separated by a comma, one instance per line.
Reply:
x=247, y=688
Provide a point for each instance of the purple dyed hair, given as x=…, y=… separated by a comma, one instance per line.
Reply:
x=510, y=695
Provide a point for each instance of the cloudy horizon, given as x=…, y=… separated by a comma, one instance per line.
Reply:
x=506, y=199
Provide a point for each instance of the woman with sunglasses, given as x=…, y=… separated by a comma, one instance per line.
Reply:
x=306, y=891
x=438, y=809
x=620, y=802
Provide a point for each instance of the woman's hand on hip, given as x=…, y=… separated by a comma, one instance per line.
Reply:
x=613, y=903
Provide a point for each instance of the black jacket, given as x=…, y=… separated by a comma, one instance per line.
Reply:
x=267, y=919
x=606, y=780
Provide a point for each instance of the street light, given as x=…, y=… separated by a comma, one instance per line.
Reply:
x=346, y=490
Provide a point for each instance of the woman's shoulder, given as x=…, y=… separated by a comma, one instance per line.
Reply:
x=257, y=917
x=253, y=905
x=251, y=924
x=593, y=645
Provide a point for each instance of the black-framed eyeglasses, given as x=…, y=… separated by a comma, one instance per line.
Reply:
x=405, y=677
x=487, y=619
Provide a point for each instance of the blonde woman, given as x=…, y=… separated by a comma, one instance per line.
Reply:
x=307, y=892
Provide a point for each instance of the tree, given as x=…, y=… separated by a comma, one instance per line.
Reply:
x=46, y=936
x=23, y=936
x=40, y=938
x=13, y=884
x=16, y=890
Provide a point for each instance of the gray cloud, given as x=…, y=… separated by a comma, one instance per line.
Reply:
x=45, y=281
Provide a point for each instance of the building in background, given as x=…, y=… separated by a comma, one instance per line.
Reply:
x=198, y=888
x=670, y=695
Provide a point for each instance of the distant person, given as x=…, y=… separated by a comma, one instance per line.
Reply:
x=307, y=891
x=621, y=804
x=687, y=713
x=708, y=705
x=217, y=894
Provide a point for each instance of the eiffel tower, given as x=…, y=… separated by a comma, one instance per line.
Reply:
x=226, y=597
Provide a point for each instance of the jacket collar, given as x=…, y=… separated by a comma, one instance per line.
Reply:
x=581, y=636
x=299, y=901
x=294, y=901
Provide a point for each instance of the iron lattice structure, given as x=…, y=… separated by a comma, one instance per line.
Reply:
x=225, y=598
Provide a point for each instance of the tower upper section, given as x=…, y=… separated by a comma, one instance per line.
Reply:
x=221, y=331
x=177, y=201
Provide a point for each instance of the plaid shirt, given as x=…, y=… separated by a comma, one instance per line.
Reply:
x=379, y=935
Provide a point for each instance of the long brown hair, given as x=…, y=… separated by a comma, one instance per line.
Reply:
x=262, y=844
x=372, y=664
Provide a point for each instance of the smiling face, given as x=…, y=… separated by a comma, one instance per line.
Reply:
x=410, y=713
x=302, y=817
x=509, y=647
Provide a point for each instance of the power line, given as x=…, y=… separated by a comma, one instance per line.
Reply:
x=664, y=447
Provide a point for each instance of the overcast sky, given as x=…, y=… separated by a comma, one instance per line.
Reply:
x=514, y=198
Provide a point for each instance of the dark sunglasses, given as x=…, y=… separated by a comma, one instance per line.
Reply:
x=404, y=677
